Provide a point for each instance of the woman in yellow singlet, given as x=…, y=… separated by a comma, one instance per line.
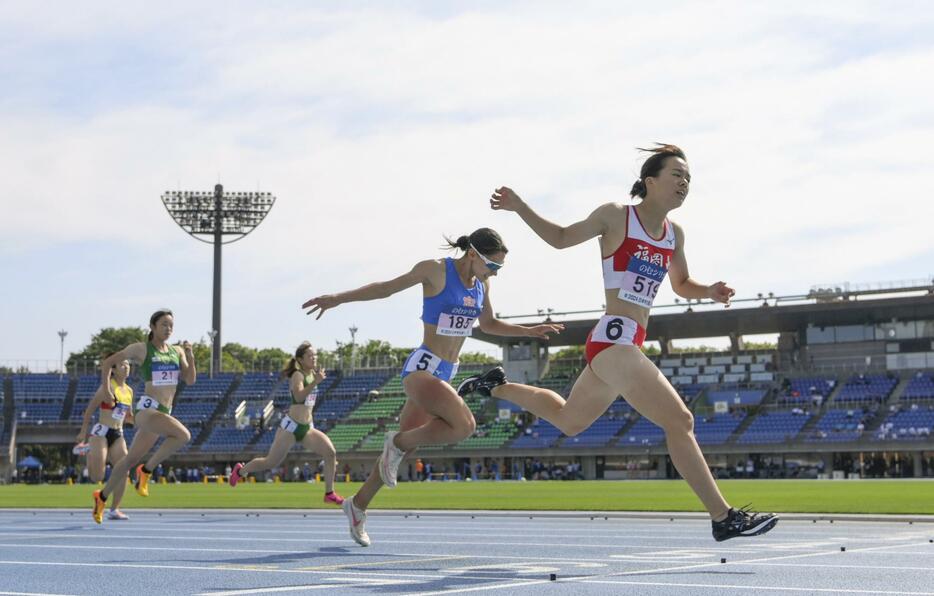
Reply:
x=162, y=366
x=298, y=427
x=106, y=442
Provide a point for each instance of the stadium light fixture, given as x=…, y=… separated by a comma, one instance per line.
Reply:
x=217, y=218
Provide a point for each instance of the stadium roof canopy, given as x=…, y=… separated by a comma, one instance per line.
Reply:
x=770, y=315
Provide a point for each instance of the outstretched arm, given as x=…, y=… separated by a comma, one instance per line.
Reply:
x=686, y=287
x=374, y=291
x=133, y=352
x=558, y=236
x=490, y=324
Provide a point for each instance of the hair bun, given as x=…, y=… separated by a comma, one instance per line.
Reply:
x=463, y=243
x=638, y=188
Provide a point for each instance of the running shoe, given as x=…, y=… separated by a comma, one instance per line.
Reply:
x=235, y=475
x=743, y=522
x=117, y=514
x=483, y=383
x=389, y=460
x=333, y=497
x=142, y=481
x=98, y=507
x=357, y=519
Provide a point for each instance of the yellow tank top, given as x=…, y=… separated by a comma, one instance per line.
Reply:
x=113, y=416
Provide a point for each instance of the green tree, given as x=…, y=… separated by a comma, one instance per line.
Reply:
x=760, y=345
x=229, y=363
x=273, y=359
x=109, y=339
x=202, y=352
x=477, y=358
x=567, y=353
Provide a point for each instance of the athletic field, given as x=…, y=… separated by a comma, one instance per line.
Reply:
x=811, y=496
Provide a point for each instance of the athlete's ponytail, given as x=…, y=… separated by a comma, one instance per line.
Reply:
x=485, y=240
x=653, y=165
x=292, y=365
x=155, y=319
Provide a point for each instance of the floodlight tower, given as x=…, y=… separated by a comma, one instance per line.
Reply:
x=209, y=217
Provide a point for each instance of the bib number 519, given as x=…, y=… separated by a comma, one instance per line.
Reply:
x=639, y=285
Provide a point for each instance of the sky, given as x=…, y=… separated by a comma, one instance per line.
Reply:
x=382, y=127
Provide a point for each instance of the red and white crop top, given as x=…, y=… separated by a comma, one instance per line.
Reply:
x=640, y=264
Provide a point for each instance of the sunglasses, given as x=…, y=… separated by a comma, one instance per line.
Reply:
x=491, y=265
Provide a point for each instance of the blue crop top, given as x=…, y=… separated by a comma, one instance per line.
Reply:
x=455, y=308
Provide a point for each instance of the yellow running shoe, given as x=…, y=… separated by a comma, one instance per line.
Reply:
x=98, y=507
x=142, y=481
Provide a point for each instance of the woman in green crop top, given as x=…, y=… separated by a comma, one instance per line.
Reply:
x=162, y=366
x=298, y=427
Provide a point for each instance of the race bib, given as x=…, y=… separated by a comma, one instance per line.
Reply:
x=457, y=320
x=641, y=281
x=99, y=430
x=310, y=398
x=288, y=425
x=422, y=360
x=147, y=403
x=119, y=412
x=164, y=374
x=615, y=330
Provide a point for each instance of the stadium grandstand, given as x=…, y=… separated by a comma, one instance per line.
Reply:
x=847, y=391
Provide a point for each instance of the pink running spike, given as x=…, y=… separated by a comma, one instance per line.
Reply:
x=333, y=497
x=235, y=475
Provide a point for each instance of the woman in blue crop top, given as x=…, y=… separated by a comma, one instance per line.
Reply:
x=456, y=293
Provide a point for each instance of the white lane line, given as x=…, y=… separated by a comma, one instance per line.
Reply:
x=420, y=559
x=485, y=543
x=513, y=584
x=739, y=562
x=836, y=566
x=530, y=558
x=751, y=588
x=290, y=529
x=249, y=569
x=33, y=594
x=341, y=583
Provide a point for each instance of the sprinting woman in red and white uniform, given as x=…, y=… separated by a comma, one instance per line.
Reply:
x=640, y=247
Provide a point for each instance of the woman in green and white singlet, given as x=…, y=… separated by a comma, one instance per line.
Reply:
x=162, y=366
x=106, y=442
x=298, y=427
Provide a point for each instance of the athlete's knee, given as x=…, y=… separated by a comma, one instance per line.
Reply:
x=682, y=422
x=467, y=426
